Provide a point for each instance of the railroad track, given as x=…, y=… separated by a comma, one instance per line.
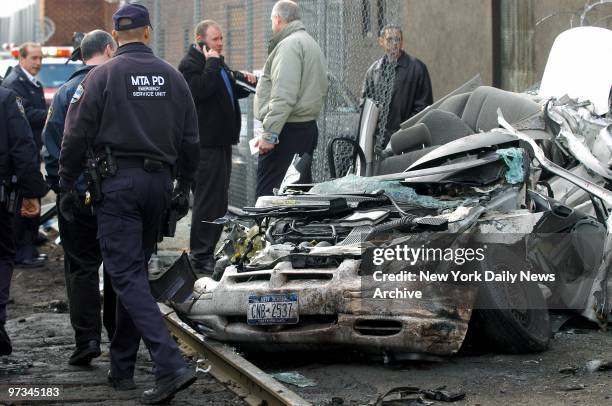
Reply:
x=240, y=376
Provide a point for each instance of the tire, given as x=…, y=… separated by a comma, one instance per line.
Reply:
x=513, y=317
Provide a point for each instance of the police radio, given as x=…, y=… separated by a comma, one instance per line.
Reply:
x=94, y=181
x=10, y=197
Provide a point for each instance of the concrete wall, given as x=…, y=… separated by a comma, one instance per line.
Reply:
x=546, y=32
x=453, y=38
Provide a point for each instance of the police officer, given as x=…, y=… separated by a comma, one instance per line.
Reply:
x=82, y=256
x=137, y=112
x=22, y=80
x=19, y=174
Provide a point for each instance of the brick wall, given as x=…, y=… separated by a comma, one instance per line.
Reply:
x=78, y=15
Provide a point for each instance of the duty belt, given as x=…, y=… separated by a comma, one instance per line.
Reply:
x=149, y=165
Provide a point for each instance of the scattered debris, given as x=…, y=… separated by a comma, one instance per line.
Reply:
x=444, y=396
x=56, y=306
x=200, y=363
x=557, y=321
x=408, y=395
x=411, y=395
x=294, y=378
x=598, y=365
x=576, y=331
x=573, y=387
x=568, y=370
x=10, y=366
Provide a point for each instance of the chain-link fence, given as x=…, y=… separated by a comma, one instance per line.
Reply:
x=347, y=32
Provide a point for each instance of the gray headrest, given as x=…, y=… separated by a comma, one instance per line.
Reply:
x=455, y=104
x=410, y=139
x=480, y=112
x=444, y=126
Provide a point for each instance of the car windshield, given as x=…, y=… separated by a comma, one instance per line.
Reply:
x=54, y=75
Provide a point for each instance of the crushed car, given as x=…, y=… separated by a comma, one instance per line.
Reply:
x=486, y=168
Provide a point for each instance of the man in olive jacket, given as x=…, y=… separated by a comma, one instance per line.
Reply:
x=289, y=97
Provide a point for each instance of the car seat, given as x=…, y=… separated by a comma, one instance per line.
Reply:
x=458, y=116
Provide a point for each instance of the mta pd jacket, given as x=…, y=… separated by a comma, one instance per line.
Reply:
x=139, y=106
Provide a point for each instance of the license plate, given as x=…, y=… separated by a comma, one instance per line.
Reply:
x=273, y=309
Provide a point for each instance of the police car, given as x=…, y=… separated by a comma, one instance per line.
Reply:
x=54, y=71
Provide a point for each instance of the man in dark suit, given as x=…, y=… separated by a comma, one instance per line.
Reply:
x=22, y=80
x=213, y=86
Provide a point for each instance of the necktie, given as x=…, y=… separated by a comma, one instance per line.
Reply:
x=228, y=85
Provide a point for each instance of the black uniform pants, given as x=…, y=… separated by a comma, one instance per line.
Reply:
x=128, y=224
x=295, y=138
x=210, y=200
x=82, y=259
x=26, y=235
x=7, y=257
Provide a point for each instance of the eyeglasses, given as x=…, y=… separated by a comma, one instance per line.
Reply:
x=395, y=39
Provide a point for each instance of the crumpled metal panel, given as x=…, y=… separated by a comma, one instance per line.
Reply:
x=337, y=307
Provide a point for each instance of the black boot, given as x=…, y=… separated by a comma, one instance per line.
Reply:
x=5, y=342
x=120, y=384
x=85, y=352
x=167, y=386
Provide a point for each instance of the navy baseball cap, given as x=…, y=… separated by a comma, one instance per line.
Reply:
x=131, y=16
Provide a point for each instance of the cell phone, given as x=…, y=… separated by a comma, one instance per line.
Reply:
x=203, y=46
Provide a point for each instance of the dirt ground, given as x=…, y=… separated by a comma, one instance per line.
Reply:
x=486, y=379
x=43, y=341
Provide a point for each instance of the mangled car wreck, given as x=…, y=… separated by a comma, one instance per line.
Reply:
x=484, y=167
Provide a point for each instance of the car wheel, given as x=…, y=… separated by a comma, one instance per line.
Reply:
x=513, y=317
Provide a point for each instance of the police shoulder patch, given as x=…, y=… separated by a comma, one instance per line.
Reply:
x=77, y=94
x=20, y=105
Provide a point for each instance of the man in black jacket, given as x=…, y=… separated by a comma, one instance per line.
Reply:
x=397, y=80
x=23, y=82
x=82, y=256
x=214, y=90
x=19, y=172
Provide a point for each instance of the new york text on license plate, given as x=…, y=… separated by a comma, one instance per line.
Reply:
x=273, y=309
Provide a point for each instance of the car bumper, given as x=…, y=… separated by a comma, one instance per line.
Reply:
x=332, y=313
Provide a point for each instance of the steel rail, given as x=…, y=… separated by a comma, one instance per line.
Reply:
x=240, y=376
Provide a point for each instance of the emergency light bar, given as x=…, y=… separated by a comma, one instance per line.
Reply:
x=49, y=52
